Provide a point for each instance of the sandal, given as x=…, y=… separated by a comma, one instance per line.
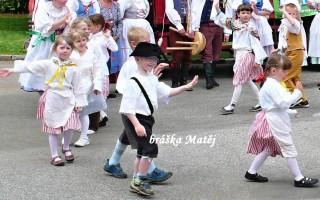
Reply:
x=57, y=162
x=69, y=158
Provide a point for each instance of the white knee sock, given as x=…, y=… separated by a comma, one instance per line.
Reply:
x=84, y=126
x=235, y=97
x=254, y=89
x=258, y=161
x=294, y=168
x=102, y=114
x=117, y=153
x=53, y=141
x=67, y=139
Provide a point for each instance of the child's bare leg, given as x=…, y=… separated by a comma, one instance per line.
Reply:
x=144, y=165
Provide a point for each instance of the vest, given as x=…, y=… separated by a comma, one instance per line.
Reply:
x=85, y=11
x=206, y=12
x=259, y=3
x=294, y=42
x=181, y=6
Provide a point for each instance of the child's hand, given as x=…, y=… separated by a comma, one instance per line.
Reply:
x=77, y=109
x=157, y=71
x=193, y=82
x=299, y=85
x=5, y=72
x=273, y=51
x=140, y=130
x=107, y=33
x=96, y=92
x=226, y=38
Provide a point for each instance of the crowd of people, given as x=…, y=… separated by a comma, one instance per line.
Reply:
x=79, y=46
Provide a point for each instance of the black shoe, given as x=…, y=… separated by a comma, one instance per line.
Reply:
x=103, y=122
x=209, y=86
x=318, y=84
x=226, y=112
x=255, y=109
x=306, y=182
x=256, y=177
x=215, y=84
x=300, y=104
x=111, y=96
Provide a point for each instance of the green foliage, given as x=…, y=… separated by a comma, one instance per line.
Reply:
x=13, y=30
x=14, y=6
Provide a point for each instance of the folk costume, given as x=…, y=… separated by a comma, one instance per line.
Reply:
x=134, y=13
x=41, y=41
x=84, y=8
x=64, y=92
x=178, y=12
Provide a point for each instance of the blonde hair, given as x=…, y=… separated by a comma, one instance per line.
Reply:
x=77, y=33
x=77, y=21
x=135, y=34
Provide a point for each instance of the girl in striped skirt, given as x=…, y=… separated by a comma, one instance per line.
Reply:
x=60, y=104
x=271, y=133
x=249, y=54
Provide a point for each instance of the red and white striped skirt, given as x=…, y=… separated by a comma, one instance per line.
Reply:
x=72, y=123
x=261, y=137
x=245, y=70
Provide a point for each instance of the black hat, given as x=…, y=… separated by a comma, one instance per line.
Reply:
x=146, y=49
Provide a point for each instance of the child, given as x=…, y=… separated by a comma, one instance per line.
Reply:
x=271, y=131
x=247, y=65
x=135, y=36
x=61, y=102
x=137, y=105
x=103, y=40
x=49, y=22
x=314, y=39
x=92, y=82
x=294, y=49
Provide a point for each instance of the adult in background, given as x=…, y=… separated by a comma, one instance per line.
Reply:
x=133, y=13
x=214, y=35
x=178, y=12
x=84, y=8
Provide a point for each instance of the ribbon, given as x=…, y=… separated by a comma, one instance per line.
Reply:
x=60, y=73
x=41, y=38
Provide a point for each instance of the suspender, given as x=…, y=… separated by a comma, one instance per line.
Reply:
x=144, y=94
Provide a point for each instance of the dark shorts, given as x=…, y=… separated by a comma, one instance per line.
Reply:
x=144, y=147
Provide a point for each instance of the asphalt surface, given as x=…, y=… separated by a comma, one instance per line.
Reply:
x=200, y=171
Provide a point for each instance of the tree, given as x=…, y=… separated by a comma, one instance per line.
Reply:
x=14, y=6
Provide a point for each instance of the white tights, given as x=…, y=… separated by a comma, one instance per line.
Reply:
x=237, y=93
x=261, y=157
x=53, y=141
x=84, y=126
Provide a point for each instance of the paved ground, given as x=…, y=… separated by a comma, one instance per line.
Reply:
x=200, y=171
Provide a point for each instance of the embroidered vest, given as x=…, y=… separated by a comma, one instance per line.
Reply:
x=259, y=3
x=85, y=11
x=206, y=12
x=182, y=7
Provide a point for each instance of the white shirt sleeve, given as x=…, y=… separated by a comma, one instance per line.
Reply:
x=173, y=15
x=196, y=10
x=292, y=28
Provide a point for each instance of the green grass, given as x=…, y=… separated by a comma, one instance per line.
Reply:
x=13, y=28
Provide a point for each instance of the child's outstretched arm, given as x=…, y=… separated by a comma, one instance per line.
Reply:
x=286, y=15
x=178, y=90
x=5, y=72
x=140, y=130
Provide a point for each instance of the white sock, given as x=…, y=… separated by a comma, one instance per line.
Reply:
x=67, y=135
x=258, y=161
x=151, y=167
x=102, y=114
x=117, y=153
x=84, y=126
x=254, y=89
x=294, y=168
x=53, y=141
x=235, y=97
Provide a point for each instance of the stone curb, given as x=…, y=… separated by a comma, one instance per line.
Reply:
x=4, y=57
